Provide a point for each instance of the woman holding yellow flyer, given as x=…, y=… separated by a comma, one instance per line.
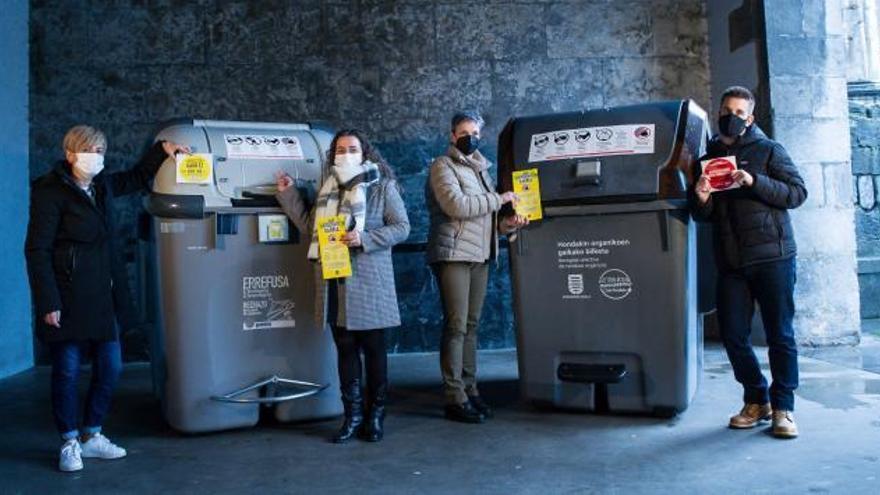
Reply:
x=463, y=237
x=357, y=217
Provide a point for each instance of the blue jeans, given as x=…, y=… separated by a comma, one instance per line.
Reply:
x=772, y=286
x=106, y=366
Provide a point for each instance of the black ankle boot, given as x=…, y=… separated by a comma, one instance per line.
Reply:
x=353, y=403
x=463, y=413
x=481, y=406
x=375, y=427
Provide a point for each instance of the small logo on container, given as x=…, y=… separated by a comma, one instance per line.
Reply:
x=575, y=284
x=615, y=284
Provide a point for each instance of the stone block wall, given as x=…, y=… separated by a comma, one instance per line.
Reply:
x=398, y=70
x=864, y=112
x=808, y=91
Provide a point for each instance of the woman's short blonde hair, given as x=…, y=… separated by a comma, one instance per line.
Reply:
x=83, y=137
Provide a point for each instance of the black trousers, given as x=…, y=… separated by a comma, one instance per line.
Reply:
x=351, y=344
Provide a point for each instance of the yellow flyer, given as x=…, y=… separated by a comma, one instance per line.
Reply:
x=195, y=168
x=527, y=187
x=335, y=260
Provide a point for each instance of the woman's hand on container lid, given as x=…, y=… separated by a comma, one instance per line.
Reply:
x=282, y=180
x=171, y=148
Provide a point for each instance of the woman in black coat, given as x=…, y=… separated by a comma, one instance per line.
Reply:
x=78, y=281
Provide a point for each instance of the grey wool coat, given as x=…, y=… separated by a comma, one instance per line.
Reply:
x=370, y=295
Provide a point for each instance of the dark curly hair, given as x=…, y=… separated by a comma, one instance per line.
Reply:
x=370, y=152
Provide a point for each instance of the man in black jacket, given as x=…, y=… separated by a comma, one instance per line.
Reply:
x=755, y=252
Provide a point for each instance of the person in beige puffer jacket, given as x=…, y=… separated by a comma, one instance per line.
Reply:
x=463, y=237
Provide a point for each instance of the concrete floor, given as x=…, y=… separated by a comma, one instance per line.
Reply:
x=520, y=451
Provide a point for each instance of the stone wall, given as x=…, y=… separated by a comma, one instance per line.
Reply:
x=808, y=91
x=396, y=69
x=864, y=113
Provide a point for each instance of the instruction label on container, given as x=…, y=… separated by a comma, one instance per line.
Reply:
x=335, y=258
x=631, y=139
x=195, y=168
x=263, y=147
x=528, y=188
x=585, y=264
x=267, y=302
x=273, y=228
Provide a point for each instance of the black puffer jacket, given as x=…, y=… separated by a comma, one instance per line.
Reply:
x=752, y=225
x=73, y=262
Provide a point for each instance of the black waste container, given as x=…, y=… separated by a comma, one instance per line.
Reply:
x=605, y=286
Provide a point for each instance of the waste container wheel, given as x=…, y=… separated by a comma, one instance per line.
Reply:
x=664, y=412
x=543, y=405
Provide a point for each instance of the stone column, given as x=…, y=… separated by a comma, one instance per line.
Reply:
x=863, y=74
x=862, y=40
x=864, y=115
x=806, y=54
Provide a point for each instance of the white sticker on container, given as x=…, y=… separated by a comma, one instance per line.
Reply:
x=263, y=147
x=630, y=139
x=273, y=228
x=267, y=302
x=582, y=260
x=615, y=284
x=172, y=227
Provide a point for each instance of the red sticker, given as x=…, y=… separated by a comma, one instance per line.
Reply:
x=720, y=173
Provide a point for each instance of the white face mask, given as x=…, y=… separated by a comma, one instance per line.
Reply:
x=348, y=160
x=89, y=165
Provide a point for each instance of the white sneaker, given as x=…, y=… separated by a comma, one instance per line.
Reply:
x=784, y=425
x=101, y=447
x=71, y=456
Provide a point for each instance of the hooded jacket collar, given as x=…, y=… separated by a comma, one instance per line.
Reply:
x=63, y=170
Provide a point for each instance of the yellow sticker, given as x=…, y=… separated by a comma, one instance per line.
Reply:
x=527, y=187
x=273, y=228
x=276, y=230
x=196, y=168
x=335, y=259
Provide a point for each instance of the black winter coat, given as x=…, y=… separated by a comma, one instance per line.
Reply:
x=74, y=264
x=752, y=225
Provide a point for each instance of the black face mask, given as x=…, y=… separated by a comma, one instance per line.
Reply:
x=731, y=125
x=467, y=144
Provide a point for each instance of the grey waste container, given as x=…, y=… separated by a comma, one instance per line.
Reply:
x=236, y=295
x=605, y=286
